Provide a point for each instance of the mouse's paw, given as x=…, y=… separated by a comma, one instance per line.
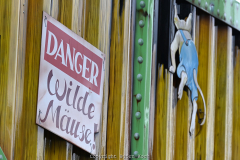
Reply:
x=180, y=92
x=172, y=69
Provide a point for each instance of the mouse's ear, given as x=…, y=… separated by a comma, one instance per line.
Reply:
x=189, y=22
x=189, y=16
x=175, y=7
x=176, y=18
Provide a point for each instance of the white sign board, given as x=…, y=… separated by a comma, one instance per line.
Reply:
x=70, y=86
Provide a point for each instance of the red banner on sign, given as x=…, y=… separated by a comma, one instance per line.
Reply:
x=73, y=58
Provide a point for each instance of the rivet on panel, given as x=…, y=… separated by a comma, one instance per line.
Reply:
x=140, y=41
x=199, y=2
x=142, y=4
x=138, y=115
x=218, y=12
x=135, y=154
x=225, y=16
x=141, y=23
x=206, y=5
x=139, y=77
x=211, y=7
x=136, y=136
x=139, y=97
x=140, y=59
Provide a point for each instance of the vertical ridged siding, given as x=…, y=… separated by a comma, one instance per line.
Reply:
x=118, y=123
x=236, y=106
x=20, y=41
x=8, y=58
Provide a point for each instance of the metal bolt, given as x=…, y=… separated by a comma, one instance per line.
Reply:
x=139, y=97
x=135, y=154
x=225, y=16
x=138, y=115
x=140, y=41
x=141, y=23
x=139, y=77
x=23, y=12
x=142, y=4
x=206, y=5
x=136, y=136
x=199, y=2
x=211, y=7
x=218, y=12
x=140, y=59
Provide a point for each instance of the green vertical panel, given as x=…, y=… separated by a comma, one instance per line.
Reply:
x=226, y=10
x=142, y=76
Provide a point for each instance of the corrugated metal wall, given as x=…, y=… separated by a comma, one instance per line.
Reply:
x=101, y=23
x=218, y=77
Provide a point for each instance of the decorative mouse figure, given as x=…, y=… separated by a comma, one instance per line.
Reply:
x=188, y=66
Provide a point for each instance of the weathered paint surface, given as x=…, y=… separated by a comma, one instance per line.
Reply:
x=8, y=49
x=236, y=106
x=211, y=91
x=104, y=42
x=221, y=92
x=160, y=126
x=26, y=130
x=118, y=134
x=54, y=146
x=126, y=101
x=203, y=52
x=115, y=76
x=182, y=127
x=20, y=38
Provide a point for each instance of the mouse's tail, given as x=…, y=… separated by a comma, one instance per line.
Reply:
x=195, y=80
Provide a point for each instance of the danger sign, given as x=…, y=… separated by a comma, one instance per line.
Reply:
x=70, y=85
